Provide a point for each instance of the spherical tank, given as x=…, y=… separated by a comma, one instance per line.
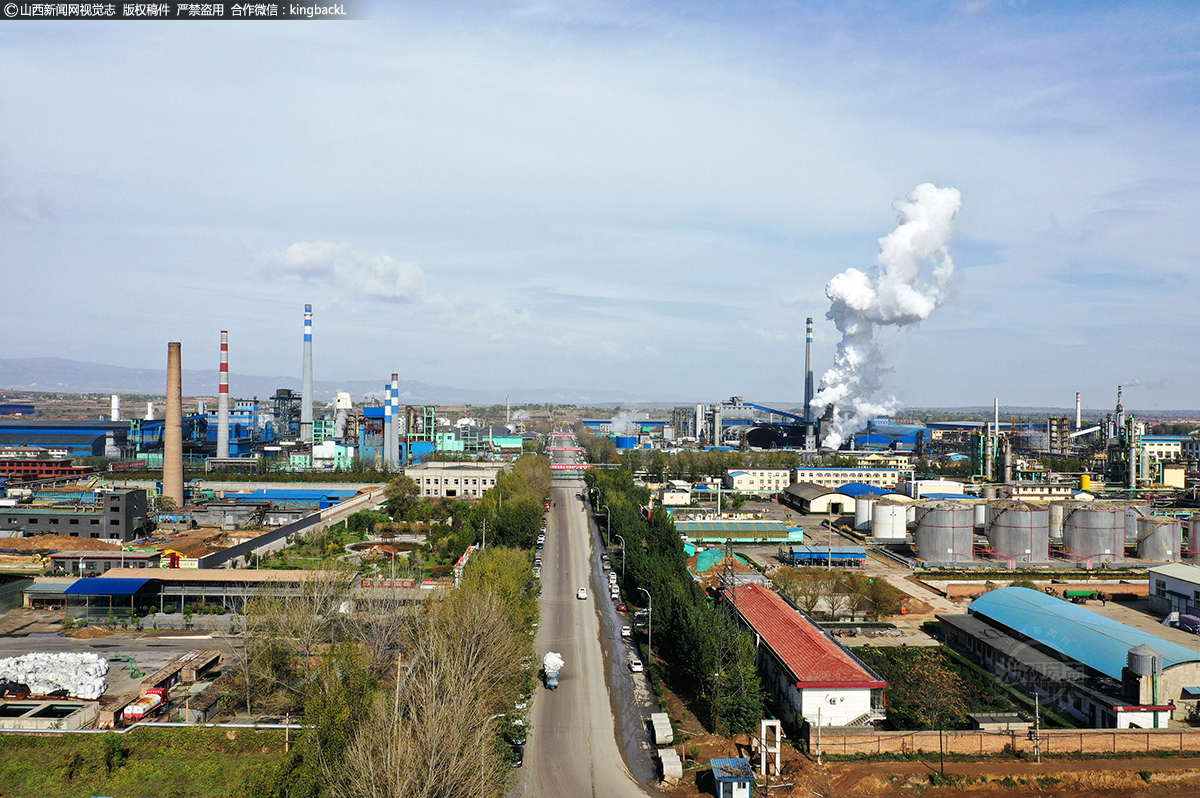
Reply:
x=1020, y=532
x=1159, y=539
x=946, y=532
x=890, y=521
x=1095, y=531
x=864, y=511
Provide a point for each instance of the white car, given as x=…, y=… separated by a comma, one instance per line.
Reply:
x=581, y=593
x=626, y=631
x=635, y=666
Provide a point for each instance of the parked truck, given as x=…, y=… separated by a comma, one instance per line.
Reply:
x=551, y=664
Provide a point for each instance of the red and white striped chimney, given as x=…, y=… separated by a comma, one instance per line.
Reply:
x=1078, y=412
x=223, y=399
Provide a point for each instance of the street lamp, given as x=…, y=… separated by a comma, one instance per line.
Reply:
x=482, y=789
x=608, y=523
x=622, y=558
x=649, y=620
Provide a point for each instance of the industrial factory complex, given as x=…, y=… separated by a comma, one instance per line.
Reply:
x=952, y=507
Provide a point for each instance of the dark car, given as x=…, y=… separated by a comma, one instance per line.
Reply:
x=518, y=755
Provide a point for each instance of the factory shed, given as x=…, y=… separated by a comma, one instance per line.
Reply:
x=720, y=531
x=808, y=497
x=808, y=675
x=1175, y=588
x=1096, y=670
x=98, y=598
x=824, y=555
x=856, y=489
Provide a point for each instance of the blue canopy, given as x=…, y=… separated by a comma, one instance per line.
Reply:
x=101, y=586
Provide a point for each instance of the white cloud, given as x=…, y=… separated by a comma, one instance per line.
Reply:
x=348, y=272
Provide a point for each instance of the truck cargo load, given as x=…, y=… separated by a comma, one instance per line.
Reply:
x=551, y=664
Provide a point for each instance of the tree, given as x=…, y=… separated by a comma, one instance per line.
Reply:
x=400, y=494
x=808, y=588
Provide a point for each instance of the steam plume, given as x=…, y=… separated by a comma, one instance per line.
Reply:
x=893, y=293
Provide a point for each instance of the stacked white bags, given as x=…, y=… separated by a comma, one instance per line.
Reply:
x=81, y=675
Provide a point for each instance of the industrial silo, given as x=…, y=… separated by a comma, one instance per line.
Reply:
x=1057, y=513
x=1020, y=532
x=945, y=532
x=890, y=521
x=864, y=510
x=1095, y=531
x=1133, y=513
x=1159, y=539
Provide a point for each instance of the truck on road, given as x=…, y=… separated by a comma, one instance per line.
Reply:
x=551, y=664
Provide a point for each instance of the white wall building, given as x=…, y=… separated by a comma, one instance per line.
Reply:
x=757, y=480
x=836, y=477
x=454, y=480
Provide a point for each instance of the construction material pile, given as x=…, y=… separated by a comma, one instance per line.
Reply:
x=80, y=675
x=552, y=662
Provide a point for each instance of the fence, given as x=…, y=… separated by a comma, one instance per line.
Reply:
x=980, y=743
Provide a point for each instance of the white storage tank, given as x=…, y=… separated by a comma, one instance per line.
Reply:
x=890, y=521
x=1058, y=512
x=981, y=515
x=1095, y=531
x=864, y=511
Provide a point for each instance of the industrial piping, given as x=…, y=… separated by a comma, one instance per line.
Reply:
x=223, y=399
x=173, y=432
x=306, y=391
x=808, y=371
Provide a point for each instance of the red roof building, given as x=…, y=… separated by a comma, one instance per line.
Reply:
x=809, y=675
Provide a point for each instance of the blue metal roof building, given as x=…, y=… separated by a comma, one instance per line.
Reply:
x=1094, y=640
x=856, y=489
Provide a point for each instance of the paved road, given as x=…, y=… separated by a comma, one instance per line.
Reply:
x=573, y=749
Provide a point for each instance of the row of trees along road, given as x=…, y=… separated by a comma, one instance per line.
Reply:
x=394, y=699
x=711, y=661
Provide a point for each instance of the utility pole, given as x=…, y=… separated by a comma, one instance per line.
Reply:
x=622, y=558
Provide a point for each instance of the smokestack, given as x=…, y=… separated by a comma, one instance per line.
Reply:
x=394, y=452
x=306, y=391
x=507, y=415
x=996, y=409
x=223, y=399
x=116, y=407
x=173, y=431
x=1078, y=412
x=388, y=425
x=808, y=371
x=149, y=411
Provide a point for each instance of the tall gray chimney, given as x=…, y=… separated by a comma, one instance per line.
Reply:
x=808, y=373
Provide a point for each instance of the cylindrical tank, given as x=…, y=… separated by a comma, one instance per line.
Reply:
x=1144, y=661
x=1133, y=512
x=1159, y=539
x=626, y=442
x=1085, y=482
x=890, y=521
x=864, y=511
x=1057, y=513
x=989, y=493
x=910, y=513
x=1095, y=531
x=980, y=511
x=1020, y=532
x=946, y=532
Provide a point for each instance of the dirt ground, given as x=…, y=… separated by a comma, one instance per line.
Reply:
x=57, y=543
x=24, y=621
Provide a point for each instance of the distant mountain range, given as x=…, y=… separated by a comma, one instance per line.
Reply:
x=73, y=376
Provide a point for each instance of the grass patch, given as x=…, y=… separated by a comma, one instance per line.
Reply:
x=176, y=763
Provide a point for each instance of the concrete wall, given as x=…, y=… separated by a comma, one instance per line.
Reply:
x=242, y=487
x=1096, y=741
x=838, y=706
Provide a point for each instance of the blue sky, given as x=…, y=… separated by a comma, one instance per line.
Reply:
x=643, y=197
